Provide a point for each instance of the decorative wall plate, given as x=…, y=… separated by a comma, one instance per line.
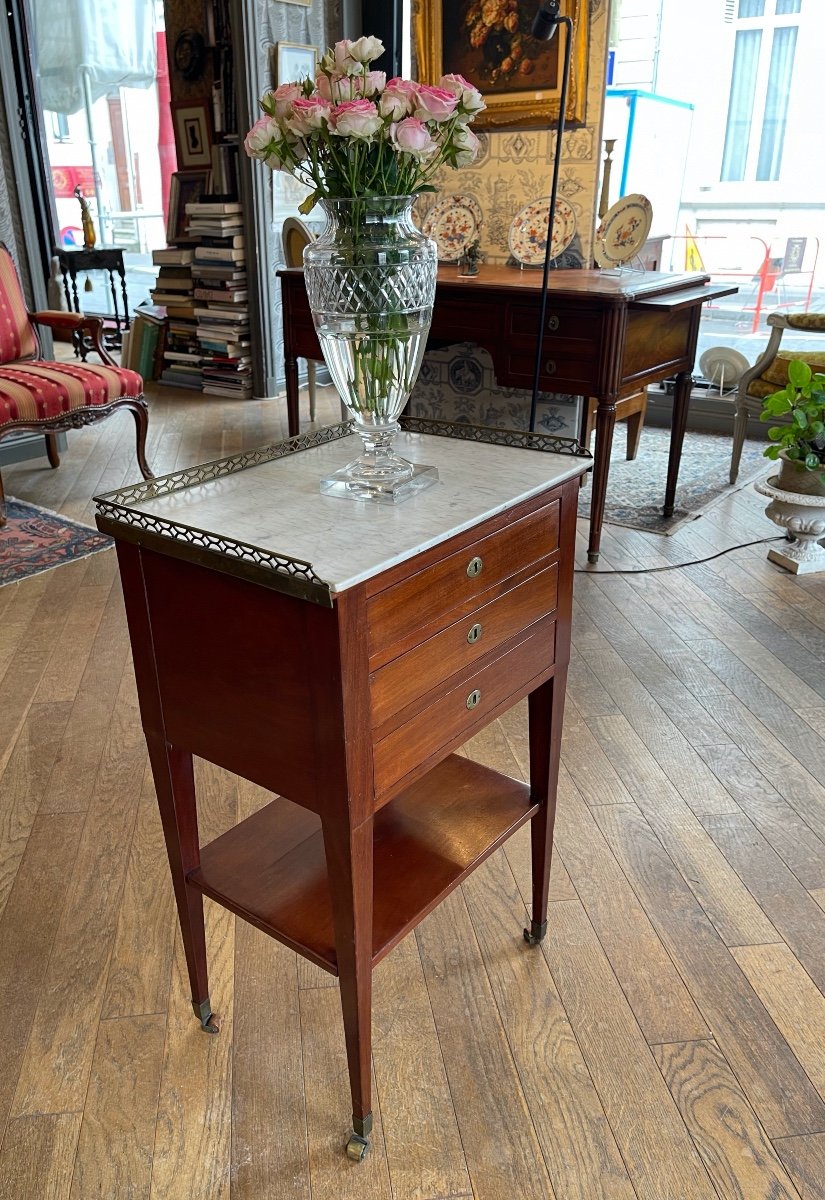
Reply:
x=527, y=238
x=723, y=366
x=623, y=231
x=453, y=223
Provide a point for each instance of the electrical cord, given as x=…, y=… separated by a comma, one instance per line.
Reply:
x=694, y=562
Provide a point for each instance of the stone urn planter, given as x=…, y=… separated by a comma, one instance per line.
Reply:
x=797, y=505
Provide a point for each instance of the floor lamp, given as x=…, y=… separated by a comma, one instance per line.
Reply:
x=546, y=22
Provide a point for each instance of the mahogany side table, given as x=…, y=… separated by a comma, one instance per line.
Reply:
x=338, y=653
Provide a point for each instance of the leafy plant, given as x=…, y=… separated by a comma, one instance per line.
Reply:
x=803, y=401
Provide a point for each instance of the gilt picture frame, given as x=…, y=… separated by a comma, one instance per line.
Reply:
x=489, y=43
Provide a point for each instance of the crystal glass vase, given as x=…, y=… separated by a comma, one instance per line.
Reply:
x=370, y=279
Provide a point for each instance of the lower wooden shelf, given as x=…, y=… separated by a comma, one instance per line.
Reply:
x=270, y=869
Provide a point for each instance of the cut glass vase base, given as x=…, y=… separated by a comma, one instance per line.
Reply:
x=342, y=485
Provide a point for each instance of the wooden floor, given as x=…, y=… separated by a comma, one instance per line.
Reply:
x=667, y=1042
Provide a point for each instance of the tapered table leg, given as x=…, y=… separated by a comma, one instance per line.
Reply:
x=605, y=423
x=681, y=404
x=292, y=417
x=173, y=774
x=349, y=867
x=546, y=711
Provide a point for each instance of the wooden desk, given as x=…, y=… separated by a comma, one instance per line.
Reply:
x=606, y=336
x=338, y=654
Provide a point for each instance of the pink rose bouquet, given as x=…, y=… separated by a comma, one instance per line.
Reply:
x=352, y=133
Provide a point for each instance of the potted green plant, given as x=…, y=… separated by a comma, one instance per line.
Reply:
x=799, y=444
x=797, y=493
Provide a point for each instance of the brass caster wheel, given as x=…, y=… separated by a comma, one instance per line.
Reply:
x=357, y=1147
x=535, y=933
x=210, y=1022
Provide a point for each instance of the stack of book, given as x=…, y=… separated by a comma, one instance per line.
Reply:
x=143, y=346
x=174, y=291
x=220, y=296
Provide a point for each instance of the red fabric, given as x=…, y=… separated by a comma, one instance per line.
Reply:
x=17, y=338
x=41, y=390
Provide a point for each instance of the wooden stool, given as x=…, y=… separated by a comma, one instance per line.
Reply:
x=629, y=408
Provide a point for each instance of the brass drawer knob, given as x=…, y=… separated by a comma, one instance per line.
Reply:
x=552, y=323
x=550, y=367
x=474, y=698
x=474, y=633
x=474, y=568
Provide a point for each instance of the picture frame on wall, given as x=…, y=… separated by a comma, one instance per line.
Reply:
x=491, y=46
x=193, y=133
x=293, y=62
x=185, y=187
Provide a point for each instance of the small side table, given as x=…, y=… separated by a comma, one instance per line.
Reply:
x=76, y=262
x=339, y=654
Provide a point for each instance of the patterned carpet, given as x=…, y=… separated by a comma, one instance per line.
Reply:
x=35, y=540
x=635, y=490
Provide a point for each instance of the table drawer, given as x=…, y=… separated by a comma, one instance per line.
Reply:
x=454, y=716
x=408, y=677
x=560, y=370
x=567, y=325
x=456, y=581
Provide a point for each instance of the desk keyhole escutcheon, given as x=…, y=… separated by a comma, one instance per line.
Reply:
x=474, y=633
x=474, y=568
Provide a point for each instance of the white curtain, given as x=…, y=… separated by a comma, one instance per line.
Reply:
x=740, y=106
x=776, y=103
x=113, y=39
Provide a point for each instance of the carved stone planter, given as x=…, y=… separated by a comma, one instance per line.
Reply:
x=804, y=518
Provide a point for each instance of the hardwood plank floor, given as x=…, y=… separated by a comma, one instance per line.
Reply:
x=665, y=1043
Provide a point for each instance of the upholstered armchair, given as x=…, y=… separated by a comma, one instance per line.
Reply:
x=41, y=396
x=770, y=372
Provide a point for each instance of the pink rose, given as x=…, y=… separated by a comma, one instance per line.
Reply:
x=398, y=99
x=263, y=134
x=413, y=137
x=345, y=64
x=375, y=81
x=322, y=86
x=309, y=114
x=355, y=118
x=470, y=100
x=282, y=99
x=435, y=103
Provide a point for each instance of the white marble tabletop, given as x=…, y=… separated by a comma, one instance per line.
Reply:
x=277, y=506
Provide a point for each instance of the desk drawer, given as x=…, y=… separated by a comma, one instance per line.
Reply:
x=561, y=370
x=461, y=644
x=456, y=581
x=468, y=705
x=566, y=325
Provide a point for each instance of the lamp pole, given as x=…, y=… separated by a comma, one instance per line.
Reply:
x=545, y=24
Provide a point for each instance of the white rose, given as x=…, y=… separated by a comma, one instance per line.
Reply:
x=366, y=49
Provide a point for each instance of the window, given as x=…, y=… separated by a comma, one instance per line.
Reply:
x=761, y=77
x=60, y=127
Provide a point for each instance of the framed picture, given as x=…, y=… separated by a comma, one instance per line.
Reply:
x=490, y=45
x=293, y=62
x=185, y=188
x=193, y=133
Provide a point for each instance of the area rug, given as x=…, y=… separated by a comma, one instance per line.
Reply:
x=635, y=490
x=34, y=540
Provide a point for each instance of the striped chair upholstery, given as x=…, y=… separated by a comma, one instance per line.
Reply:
x=37, y=395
